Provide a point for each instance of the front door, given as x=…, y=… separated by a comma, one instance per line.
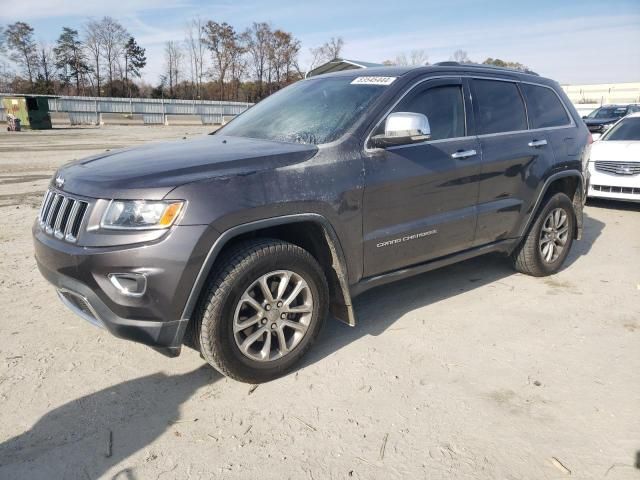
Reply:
x=419, y=199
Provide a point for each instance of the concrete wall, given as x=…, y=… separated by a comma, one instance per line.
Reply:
x=603, y=93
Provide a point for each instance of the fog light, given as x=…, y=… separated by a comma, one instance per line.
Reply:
x=129, y=284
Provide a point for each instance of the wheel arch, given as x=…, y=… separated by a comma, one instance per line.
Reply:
x=570, y=182
x=311, y=231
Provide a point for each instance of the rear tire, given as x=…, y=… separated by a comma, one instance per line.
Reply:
x=546, y=246
x=262, y=310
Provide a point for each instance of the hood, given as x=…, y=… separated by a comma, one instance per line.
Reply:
x=153, y=170
x=600, y=121
x=617, y=151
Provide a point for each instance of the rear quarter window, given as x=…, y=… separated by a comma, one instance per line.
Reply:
x=499, y=107
x=544, y=107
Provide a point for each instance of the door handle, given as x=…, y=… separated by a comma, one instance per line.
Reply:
x=537, y=143
x=462, y=154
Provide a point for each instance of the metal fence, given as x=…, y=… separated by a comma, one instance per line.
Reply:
x=150, y=111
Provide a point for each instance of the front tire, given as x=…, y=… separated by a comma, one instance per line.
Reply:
x=262, y=310
x=546, y=246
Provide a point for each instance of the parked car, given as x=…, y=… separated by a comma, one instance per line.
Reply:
x=239, y=243
x=615, y=162
x=603, y=118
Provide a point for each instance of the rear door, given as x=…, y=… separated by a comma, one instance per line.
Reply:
x=547, y=112
x=512, y=158
x=419, y=200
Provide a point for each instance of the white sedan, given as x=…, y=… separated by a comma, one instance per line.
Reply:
x=615, y=162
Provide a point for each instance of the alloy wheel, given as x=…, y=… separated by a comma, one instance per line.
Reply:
x=554, y=235
x=273, y=315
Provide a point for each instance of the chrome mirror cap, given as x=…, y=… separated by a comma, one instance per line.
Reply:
x=406, y=124
x=403, y=128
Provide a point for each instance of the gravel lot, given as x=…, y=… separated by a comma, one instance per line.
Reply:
x=471, y=371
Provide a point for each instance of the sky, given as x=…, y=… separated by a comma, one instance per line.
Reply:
x=571, y=41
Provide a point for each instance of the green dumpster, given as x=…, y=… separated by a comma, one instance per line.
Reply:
x=33, y=111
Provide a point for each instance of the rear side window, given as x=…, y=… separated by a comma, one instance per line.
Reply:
x=443, y=106
x=544, y=107
x=499, y=107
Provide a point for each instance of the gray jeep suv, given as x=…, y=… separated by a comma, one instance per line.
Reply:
x=238, y=243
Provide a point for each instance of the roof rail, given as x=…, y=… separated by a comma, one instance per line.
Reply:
x=451, y=63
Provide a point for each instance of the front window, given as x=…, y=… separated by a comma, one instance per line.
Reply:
x=626, y=130
x=315, y=111
x=608, y=112
x=443, y=106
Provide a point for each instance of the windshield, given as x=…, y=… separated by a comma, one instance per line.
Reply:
x=311, y=111
x=626, y=130
x=608, y=112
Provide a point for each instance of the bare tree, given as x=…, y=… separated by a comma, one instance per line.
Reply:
x=238, y=65
x=419, y=57
x=461, y=56
x=93, y=45
x=113, y=38
x=414, y=58
x=326, y=52
x=23, y=49
x=173, y=64
x=5, y=72
x=196, y=49
x=258, y=41
x=222, y=40
x=3, y=41
x=283, y=57
x=46, y=69
x=401, y=60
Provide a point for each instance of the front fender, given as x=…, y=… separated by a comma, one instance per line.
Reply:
x=344, y=310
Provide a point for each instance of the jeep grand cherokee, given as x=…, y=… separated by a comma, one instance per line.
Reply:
x=239, y=243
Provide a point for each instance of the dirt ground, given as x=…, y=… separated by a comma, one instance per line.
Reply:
x=471, y=371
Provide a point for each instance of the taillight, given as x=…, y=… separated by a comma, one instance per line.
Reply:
x=590, y=138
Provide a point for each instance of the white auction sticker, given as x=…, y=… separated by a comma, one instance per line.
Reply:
x=373, y=81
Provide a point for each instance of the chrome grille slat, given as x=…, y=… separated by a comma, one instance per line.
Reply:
x=618, y=168
x=45, y=203
x=72, y=216
x=58, y=223
x=61, y=215
x=48, y=224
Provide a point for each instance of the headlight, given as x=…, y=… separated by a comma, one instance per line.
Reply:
x=141, y=214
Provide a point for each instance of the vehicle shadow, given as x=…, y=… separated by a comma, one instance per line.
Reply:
x=379, y=308
x=86, y=436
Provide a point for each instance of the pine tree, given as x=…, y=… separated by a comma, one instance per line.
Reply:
x=134, y=60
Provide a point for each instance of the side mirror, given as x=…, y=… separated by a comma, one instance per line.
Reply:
x=403, y=128
x=584, y=117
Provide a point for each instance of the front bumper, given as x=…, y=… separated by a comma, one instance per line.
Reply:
x=613, y=187
x=170, y=265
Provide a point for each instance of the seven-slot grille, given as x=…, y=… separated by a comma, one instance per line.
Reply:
x=62, y=215
x=618, y=168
